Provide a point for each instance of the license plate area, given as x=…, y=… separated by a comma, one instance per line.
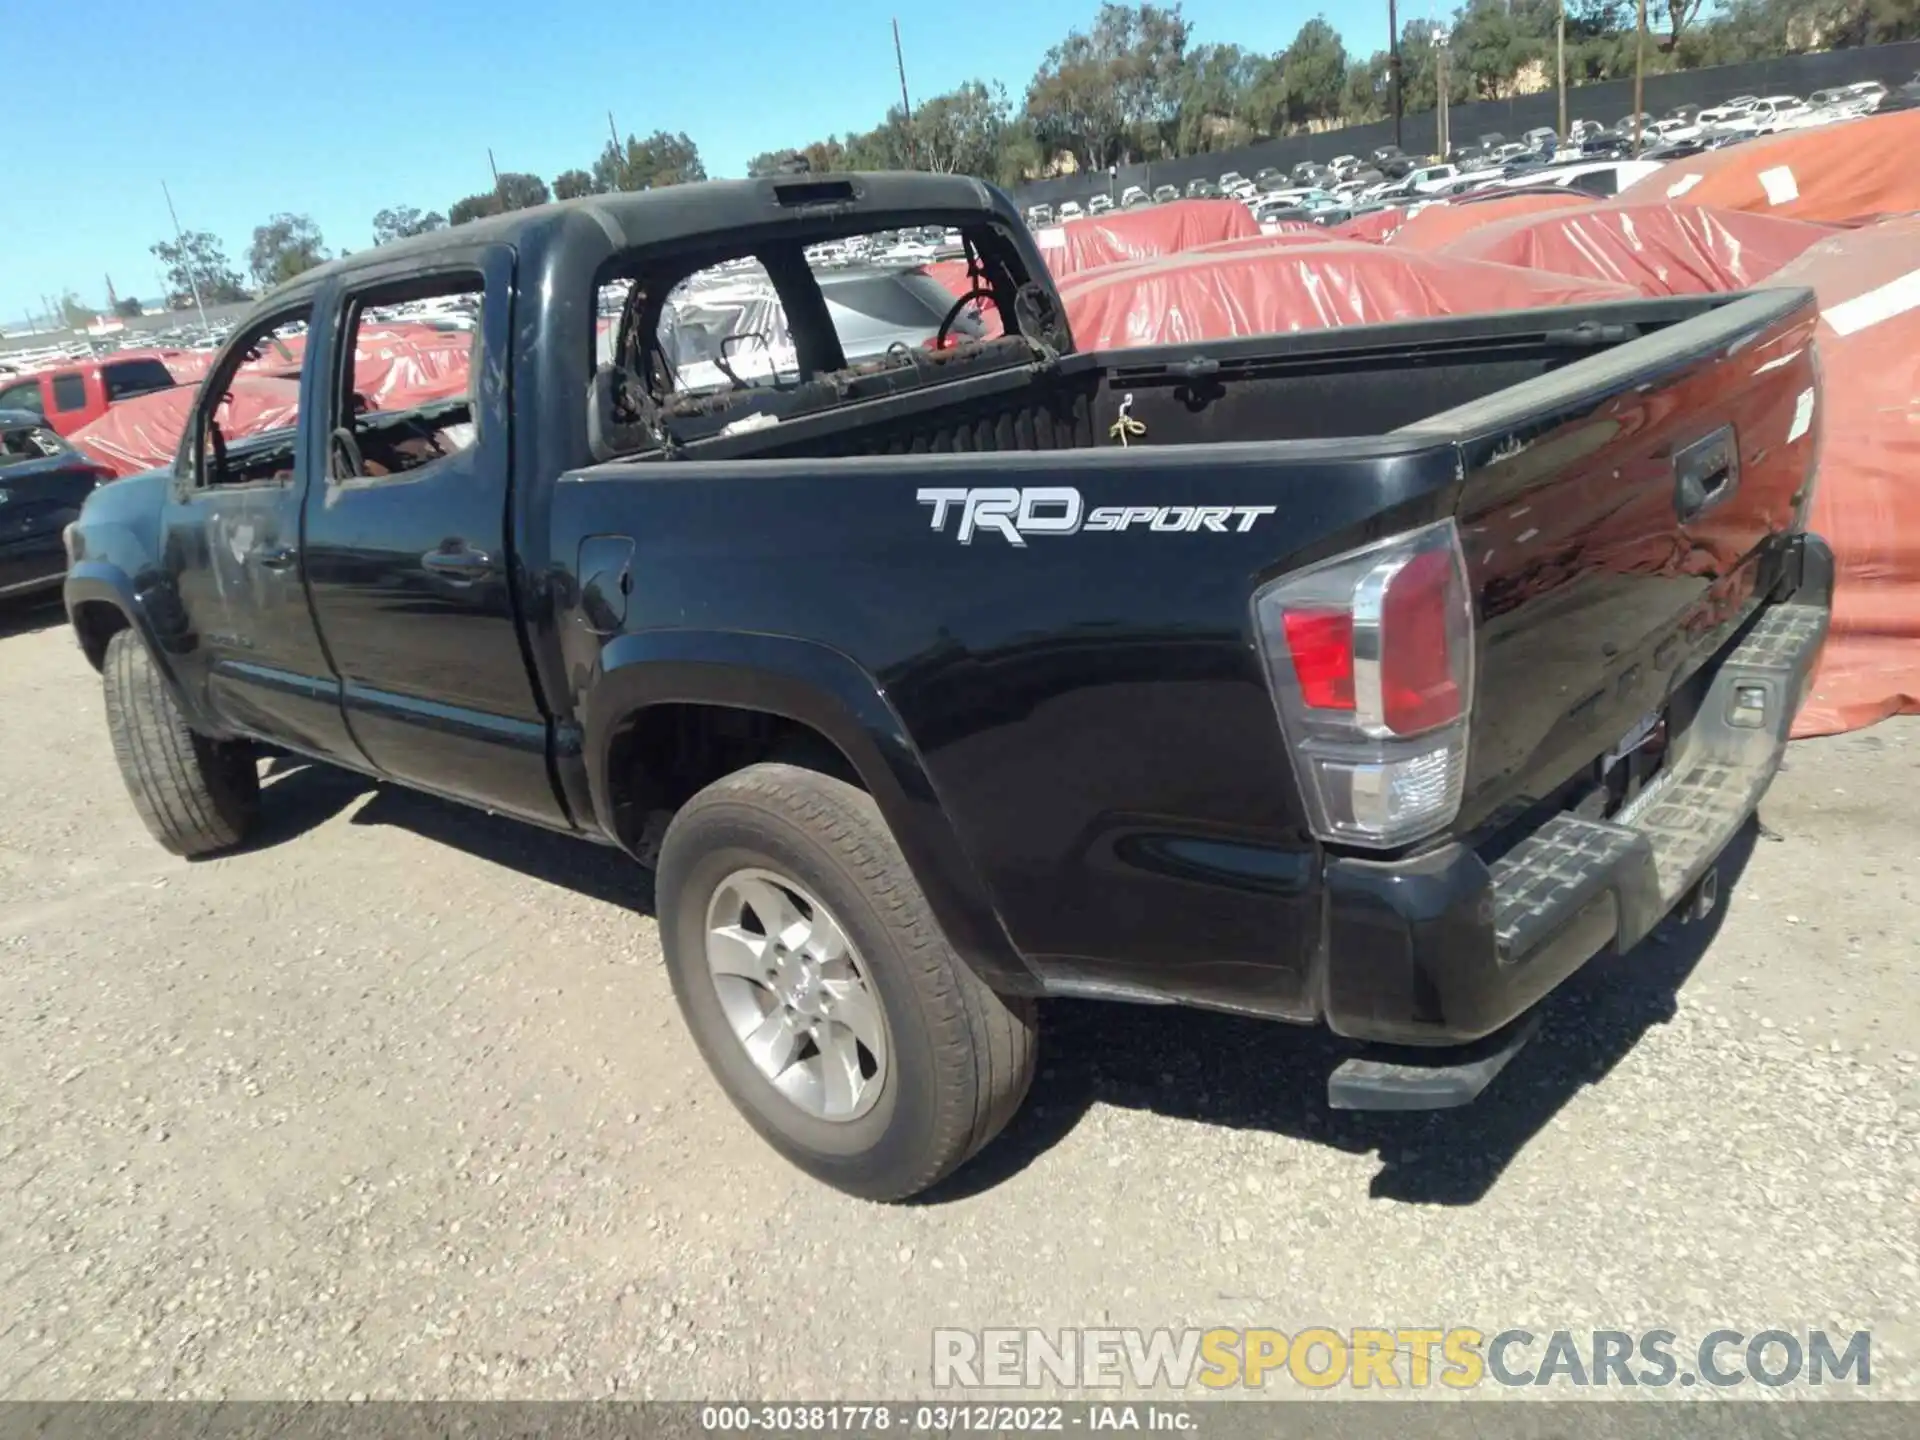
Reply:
x=1633, y=765
x=1633, y=739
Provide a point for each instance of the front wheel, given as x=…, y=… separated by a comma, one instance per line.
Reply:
x=821, y=992
x=197, y=796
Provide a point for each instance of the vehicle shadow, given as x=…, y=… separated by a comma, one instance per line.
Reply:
x=299, y=796
x=29, y=616
x=1192, y=1065
x=1253, y=1074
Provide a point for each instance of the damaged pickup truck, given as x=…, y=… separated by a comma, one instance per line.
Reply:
x=1373, y=679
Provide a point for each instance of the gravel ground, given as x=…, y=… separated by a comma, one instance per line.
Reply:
x=397, y=1104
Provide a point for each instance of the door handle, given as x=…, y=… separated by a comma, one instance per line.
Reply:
x=276, y=557
x=460, y=565
x=1705, y=473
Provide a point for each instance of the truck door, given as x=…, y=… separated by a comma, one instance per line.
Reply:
x=407, y=540
x=230, y=546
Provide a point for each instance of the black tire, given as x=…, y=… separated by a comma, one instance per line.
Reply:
x=961, y=1056
x=197, y=796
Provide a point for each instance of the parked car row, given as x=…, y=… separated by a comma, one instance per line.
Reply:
x=1315, y=186
x=1590, y=156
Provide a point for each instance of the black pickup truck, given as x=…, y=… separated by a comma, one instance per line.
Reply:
x=1375, y=678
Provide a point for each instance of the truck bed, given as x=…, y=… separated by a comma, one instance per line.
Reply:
x=1092, y=708
x=1361, y=381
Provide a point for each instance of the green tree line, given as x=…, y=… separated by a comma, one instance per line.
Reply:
x=1131, y=86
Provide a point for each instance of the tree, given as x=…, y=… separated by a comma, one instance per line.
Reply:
x=514, y=190
x=824, y=155
x=572, y=184
x=127, y=308
x=1363, y=95
x=660, y=159
x=1314, y=67
x=888, y=146
x=286, y=246
x=474, y=207
x=1112, y=93
x=198, y=257
x=1679, y=15
x=400, y=221
x=1021, y=156
x=75, y=315
x=1215, y=92
x=1420, y=70
x=520, y=191
x=961, y=132
x=1494, y=41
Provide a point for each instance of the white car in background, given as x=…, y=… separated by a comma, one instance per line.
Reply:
x=1597, y=177
x=1430, y=178
x=1775, y=112
x=1840, y=103
x=910, y=252
x=1719, y=120
x=1310, y=199
x=1070, y=211
x=1861, y=99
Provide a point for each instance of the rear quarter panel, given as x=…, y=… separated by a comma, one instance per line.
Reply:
x=1089, y=709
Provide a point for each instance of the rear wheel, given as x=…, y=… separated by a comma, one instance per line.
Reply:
x=197, y=796
x=821, y=992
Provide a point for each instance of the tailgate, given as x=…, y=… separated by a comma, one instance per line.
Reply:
x=1620, y=518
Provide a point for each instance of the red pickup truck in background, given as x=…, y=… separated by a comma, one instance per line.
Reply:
x=73, y=395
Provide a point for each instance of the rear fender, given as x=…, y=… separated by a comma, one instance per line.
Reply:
x=821, y=688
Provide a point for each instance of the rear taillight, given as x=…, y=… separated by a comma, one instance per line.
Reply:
x=1370, y=655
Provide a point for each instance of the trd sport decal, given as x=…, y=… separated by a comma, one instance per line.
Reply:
x=1058, y=510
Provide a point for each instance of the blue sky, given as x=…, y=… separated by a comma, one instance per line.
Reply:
x=337, y=109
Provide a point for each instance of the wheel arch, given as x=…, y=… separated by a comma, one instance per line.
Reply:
x=101, y=601
x=815, y=695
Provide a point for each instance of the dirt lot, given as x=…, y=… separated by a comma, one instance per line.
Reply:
x=397, y=1104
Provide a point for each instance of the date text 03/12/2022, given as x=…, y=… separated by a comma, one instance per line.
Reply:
x=944, y=1419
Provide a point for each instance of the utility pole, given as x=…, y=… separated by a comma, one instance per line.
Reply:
x=186, y=261
x=494, y=168
x=1639, y=76
x=1560, y=63
x=906, y=106
x=1393, y=63
x=1441, y=37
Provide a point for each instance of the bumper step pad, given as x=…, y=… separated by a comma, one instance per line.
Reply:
x=1716, y=777
x=1642, y=864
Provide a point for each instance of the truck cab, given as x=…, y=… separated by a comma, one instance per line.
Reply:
x=71, y=396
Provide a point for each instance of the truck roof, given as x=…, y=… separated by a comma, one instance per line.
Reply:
x=687, y=212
